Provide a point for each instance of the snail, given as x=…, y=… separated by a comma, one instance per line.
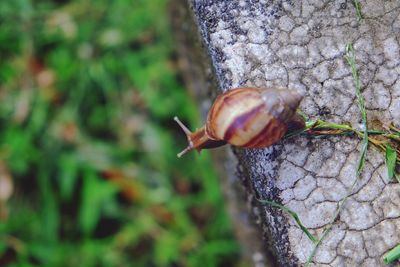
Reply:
x=247, y=117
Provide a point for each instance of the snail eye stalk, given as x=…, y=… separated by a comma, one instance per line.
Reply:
x=188, y=134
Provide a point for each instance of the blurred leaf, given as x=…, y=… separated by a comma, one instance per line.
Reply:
x=68, y=175
x=63, y=62
x=19, y=148
x=95, y=193
x=39, y=115
x=50, y=216
x=3, y=245
x=212, y=252
x=166, y=249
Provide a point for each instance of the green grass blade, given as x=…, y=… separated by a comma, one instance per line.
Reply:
x=363, y=153
x=292, y=214
x=392, y=255
x=391, y=157
x=329, y=227
x=357, y=5
x=350, y=58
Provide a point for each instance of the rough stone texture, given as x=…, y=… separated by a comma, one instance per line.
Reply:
x=300, y=45
x=195, y=68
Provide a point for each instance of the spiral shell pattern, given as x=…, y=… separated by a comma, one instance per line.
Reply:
x=252, y=117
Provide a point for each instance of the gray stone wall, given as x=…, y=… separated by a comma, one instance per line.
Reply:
x=300, y=45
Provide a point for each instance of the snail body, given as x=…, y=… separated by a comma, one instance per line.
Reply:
x=246, y=117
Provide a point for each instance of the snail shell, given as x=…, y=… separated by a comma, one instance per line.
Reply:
x=246, y=117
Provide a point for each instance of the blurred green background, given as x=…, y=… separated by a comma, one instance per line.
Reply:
x=88, y=167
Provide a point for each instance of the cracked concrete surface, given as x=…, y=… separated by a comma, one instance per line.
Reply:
x=300, y=45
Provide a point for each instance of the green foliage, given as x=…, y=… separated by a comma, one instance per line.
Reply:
x=88, y=92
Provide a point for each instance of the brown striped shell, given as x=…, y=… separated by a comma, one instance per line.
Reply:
x=246, y=117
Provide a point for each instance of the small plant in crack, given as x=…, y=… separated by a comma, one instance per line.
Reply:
x=392, y=255
x=357, y=6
